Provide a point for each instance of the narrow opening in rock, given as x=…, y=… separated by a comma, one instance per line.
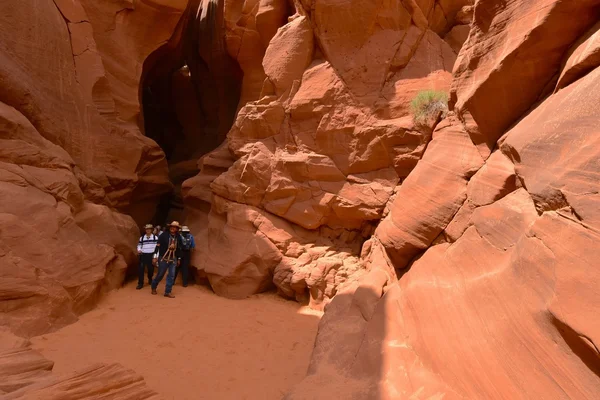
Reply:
x=189, y=92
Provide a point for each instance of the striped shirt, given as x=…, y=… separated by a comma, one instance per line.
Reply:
x=147, y=244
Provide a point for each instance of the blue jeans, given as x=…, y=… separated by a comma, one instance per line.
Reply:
x=184, y=267
x=163, y=267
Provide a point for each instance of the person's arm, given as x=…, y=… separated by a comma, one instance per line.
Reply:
x=156, y=248
x=193, y=245
x=139, y=246
x=161, y=243
x=155, y=254
x=178, y=249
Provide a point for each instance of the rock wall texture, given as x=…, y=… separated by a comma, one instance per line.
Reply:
x=322, y=141
x=26, y=374
x=72, y=159
x=454, y=255
x=483, y=278
x=190, y=87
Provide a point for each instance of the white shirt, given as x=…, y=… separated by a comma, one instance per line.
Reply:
x=147, y=244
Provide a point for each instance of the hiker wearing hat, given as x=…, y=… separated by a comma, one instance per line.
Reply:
x=188, y=245
x=169, y=256
x=146, y=249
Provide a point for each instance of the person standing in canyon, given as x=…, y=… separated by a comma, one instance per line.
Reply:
x=188, y=245
x=146, y=249
x=169, y=257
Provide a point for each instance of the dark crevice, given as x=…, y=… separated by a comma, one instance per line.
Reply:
x=581, y=345
x=189, y=92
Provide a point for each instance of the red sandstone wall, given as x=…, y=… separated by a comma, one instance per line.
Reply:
x=454, y=258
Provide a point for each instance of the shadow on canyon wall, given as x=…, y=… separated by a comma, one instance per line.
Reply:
x=189, y=92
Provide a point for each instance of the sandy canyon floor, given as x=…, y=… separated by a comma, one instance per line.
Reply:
x=196, y=346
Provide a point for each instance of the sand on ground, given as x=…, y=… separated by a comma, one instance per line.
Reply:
x=195, y=346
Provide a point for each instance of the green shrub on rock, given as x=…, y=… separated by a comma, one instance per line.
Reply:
x=428, y=103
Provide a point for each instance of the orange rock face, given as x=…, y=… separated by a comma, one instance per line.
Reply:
x=498, y=226
x=71, y=159
x=26, y=374
x=455, y=254
x=478, y=88
x=317, y=157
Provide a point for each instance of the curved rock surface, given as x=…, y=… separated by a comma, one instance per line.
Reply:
x=320, y=152
x=501, y=285
x=26, y=374
x=455, y=256
x=71, y=158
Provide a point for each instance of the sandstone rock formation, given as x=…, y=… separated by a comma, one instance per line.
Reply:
x=310, y=164
x=190, y=88
x=497, y=281
x=26, y=374
x=71, y=157
x=454, y=255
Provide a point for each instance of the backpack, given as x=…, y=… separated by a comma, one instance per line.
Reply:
x=186, y=242
x=151, y=238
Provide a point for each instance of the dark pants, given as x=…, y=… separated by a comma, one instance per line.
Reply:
x=169, y=268
x=145, y=261
x=184, y=267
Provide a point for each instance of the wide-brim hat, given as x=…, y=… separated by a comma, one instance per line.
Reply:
x=148, y=226
x=185, y=229
x=175, y=224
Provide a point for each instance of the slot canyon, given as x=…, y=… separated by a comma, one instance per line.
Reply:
x=390, y=199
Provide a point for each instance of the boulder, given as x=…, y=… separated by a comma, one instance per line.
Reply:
x=302, y=264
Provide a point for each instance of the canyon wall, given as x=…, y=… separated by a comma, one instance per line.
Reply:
x=494, y=235
x=454, y=255
x=72, y=159
x=460, y=250
x=310, y=165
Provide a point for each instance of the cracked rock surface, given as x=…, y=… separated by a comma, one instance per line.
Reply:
x=496, y=279
x=455, y=256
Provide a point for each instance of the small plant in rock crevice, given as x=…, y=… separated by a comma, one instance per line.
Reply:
x=427, y=103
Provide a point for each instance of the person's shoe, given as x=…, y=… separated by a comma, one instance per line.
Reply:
x=154, y=291
x=138, y=287
x=185, y=285
x=170, y=295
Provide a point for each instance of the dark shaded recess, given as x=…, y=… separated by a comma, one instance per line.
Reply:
x=580, y=345
x=189, y=92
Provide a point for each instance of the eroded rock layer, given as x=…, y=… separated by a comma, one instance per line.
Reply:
x=455, y=255
x=26, y=374
x=494, y=235
x=71, y=157
x=309, y=166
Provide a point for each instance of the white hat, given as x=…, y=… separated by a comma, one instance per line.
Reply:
x=185, y=229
